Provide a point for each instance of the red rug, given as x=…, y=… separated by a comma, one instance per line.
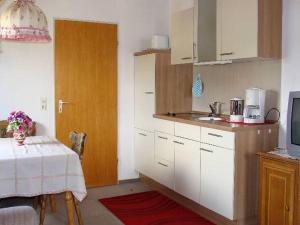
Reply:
x=151, y=208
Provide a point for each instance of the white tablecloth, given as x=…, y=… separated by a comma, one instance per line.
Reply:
x=41, y=166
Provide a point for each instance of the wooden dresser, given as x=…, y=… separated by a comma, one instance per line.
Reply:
x=279, y=190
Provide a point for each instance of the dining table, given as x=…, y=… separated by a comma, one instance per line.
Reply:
x=42, y=166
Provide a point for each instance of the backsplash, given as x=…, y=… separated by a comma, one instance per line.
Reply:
x=223, y=82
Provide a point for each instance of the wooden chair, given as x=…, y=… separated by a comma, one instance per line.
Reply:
x=20, y=215
x=77, y=145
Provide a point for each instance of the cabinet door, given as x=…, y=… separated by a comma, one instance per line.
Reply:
x=277, y=191
x=217, y=180
x=182, y=37
x=237, y=29
x=144, y=152
x=164, y=147
x=164, y=173
x=187, y=168
x=144, y=95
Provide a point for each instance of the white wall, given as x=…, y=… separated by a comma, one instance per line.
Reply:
x=291, y=58
x=27, y=70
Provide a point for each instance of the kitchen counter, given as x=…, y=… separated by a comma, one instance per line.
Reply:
x=190, y=118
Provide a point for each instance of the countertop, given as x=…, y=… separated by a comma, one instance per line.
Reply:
x=189, y=118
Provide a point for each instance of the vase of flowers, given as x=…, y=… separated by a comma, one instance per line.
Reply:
x=20, y=125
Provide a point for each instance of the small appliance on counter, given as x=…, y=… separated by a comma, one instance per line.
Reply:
x=160, y=42
x=236, y=110
x=254, y=112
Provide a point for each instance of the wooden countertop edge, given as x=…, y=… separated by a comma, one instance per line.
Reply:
x=216, y=124
x=277, y=157
x=151, y=51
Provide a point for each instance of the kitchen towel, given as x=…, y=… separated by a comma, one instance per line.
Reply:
x=197, y=86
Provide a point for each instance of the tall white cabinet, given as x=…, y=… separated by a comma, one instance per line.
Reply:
x=144, y=92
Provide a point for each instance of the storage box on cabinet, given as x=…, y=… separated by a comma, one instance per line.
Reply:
x=217, y=180
x=219, y=138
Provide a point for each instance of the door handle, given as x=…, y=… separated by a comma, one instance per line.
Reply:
x=61, y=105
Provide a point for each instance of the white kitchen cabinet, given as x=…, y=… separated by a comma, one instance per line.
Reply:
x=237, y=29
x=144, y=152
x=224, y=139
x=164, y=126
x=164, y=147
x=217, y=180
x=144, y=92
x=187, y=168
x=187, y=131
x=182, y=36
x=179, y=5
x=226, y=30
x=164, y=173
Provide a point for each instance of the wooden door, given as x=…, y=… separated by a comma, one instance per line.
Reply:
x=86, y=78
x=237, y=29
x=277, y=191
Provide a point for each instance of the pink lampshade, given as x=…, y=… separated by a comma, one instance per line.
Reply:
x=25, y=22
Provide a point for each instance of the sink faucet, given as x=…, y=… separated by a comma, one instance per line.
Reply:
x=215, y=109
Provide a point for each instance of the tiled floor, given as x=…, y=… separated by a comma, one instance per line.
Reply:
x=92, y=211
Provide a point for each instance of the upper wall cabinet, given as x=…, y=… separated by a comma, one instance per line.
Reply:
x=182, y=37
x=226, y=30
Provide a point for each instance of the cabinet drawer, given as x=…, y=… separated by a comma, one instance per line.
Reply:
x=164, y=147
x=144, y=152
x=164, y=126
x=164, y=173
x=220, y=138
x=187, y=131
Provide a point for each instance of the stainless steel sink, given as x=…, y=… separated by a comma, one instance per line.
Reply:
x=206, y=118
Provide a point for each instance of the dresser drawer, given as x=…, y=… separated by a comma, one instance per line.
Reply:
x=164, y=126
x=219, y=138
x=187, y=131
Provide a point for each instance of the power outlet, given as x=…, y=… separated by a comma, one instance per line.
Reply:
x=44, y=104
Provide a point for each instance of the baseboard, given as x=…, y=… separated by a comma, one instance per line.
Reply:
x=129, y=181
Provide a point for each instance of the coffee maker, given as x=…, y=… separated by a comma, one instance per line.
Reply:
x=255, y=106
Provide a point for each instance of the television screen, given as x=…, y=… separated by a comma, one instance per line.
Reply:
x=295, y=122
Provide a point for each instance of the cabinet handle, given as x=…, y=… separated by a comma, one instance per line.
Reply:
x=163, y=164
x=215, y=135
x=149, y=92
x=177, y=142
x=164, y=138
x=186, y=58
x=143, y=134
x=194, y=50
x=227, y=53
x=203, y=149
